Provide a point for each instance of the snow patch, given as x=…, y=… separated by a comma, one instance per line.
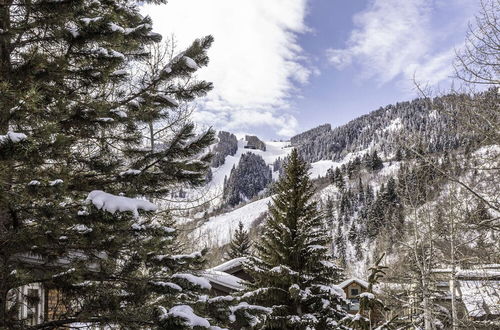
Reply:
x=81, y=229
x=217, y=230
x=56, y=182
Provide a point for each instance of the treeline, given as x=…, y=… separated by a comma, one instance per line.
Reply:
x=382, y=128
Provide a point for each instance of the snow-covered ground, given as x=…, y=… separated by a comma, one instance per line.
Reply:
x=394, y=126
x=319, y=168
x=218, y=230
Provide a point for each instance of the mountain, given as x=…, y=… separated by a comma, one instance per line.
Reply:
x=381, y=129
x=366, y=172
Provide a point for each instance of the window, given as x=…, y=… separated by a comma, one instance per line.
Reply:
x=354, y=292
x=354, y=305
x=33, y=306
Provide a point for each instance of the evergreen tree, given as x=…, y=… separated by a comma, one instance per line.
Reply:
x=399, y=155
x=361, y=192
x=339, y=245
x=72, y=148
x=251, y=176
x=293, y=271
x=329, y=210
x=375, y=162
x=240, y=245
x=339, y=180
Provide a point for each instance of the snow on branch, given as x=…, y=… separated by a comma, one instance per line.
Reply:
x=185, y=313
x=190, y=62
x=130, y=172
x=112, y=203
x=13, y=137
x=195, y=280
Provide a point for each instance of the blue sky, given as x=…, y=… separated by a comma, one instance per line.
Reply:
x=283, y=66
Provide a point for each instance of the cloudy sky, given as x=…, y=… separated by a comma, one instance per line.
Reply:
x=280, y=67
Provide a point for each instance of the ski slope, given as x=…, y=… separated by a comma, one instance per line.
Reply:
x=218, y=230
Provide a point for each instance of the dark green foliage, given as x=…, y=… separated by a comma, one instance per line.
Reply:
x=418, y=183
x=372, y=162
x=227, y=145
x=251, y=176
x=68, y=82
x=293, y=270
x=240, y=244
x=386, y=211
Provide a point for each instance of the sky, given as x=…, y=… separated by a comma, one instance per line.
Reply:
x=281, y=67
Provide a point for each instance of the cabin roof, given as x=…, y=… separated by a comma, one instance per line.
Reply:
x=349, y=281
x=231, y=266
x=480, y=297
x=224, y=279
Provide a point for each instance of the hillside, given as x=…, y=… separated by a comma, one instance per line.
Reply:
x=353, y=194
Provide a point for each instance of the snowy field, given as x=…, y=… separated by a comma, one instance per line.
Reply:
x=217, y=230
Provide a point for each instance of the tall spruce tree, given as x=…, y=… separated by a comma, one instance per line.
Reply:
x=71, y=149
x=293, y=270
x=240, y=244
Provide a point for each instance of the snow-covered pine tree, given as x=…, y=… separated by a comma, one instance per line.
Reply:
x=249, y=178
x=240, y=244
x=293, y=270
x=70, y=130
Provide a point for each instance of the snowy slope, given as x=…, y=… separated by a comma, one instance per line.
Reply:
x=217, y=230
x=211, y=193
x=319, y=168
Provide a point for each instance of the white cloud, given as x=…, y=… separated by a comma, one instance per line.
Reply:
x=395, y=39
x=256, y=64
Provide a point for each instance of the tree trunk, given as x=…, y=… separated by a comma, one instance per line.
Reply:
x=452, y=280
x=427, y=310
x=5, y=173
x=152, y=136
x=5, y=61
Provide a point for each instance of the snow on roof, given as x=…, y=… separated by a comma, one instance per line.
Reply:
x=230, y=264
x=352, y=280
x=481, y=298
x=224, y=279
x=441, y=270
x=478, y=274
x=481, y=271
